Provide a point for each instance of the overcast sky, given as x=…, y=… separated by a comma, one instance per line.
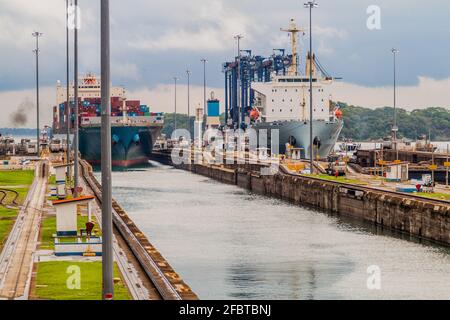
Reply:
x=153, y=41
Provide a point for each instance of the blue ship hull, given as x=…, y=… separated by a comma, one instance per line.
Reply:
x=131, y=145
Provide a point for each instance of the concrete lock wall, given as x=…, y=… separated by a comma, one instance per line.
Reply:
x=422, y=218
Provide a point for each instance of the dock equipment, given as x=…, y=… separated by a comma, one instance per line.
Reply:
x=251, y=68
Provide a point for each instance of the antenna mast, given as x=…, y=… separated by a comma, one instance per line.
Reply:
x=293, y=29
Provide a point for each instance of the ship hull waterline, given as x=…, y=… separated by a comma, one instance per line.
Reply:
x=298, y=135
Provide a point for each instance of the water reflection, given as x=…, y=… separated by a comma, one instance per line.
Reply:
x=229, y=243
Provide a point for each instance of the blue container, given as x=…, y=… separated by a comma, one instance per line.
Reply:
x=213, y=108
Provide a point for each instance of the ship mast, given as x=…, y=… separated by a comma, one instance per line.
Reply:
x=293, y=29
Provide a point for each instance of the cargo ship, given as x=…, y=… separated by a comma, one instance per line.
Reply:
x=134, y=129
x=274, y=94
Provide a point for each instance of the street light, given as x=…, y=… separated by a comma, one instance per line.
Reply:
x=67, y=92
x=37, y=35
x=188, y=73
x=394, y=127
x=204, y=84
x=175, y=96
x=238, y=40
x=107, y=243
x=310, y=5
x=75, y=85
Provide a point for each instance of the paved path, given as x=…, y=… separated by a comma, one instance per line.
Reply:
x=16, y=259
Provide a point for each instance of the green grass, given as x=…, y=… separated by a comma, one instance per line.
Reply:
x=436, y=195
x=52, y=277
x=52, y=179
x=7, y=213
x=16, y=177
x=48, y=229
x=5, y=228
x=7, y=216
x=341, y=179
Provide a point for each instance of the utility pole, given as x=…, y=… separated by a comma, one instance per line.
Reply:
x=175, y=79
x=204, y=85
x=395, y=128
x=37, y=35
x=67, y=93
x=238, y=39
x=75, y=84
x=107, y=243
x=310, y=5
x=188, y=73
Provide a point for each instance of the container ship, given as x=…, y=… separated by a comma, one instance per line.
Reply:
x=134, y=129
x=275, y=95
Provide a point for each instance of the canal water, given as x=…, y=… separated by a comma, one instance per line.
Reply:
x=228, y=243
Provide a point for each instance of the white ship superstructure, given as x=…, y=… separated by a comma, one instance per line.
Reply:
x=283, y=103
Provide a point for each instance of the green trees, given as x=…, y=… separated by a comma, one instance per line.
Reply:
x=367, y=124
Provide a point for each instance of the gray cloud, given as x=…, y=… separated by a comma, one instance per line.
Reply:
x=154, y=41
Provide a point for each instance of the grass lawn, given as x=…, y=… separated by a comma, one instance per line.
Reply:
x=436, y=195
x=7, y=216
x=52, y=179
x=5, y=228
x=16, y=177
x=48, y=229
x=341, y=179
x=7, y=213
x=52, y=278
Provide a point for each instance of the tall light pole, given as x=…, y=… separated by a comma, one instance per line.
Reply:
x=107, y=228
x=310, y=5
x=67, y=92
x=204, y=84
x=75, y=85
x=175, y=79
x=37, y=35
x=188, y=73
x=394, y=127
x=238, y=40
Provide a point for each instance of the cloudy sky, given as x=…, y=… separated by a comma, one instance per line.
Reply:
x=153, y=41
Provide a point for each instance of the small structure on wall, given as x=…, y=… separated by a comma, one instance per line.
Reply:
x=397, y=171
x=69, y=240
x=60, y=175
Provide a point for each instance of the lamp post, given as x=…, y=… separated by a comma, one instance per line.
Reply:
x=75, y=85
x=394, y=127
x=238, y=40
x=188, y=73
x=107, y=243
x=204, y=85
x=37, y=35
x=310, y=5
x=67, y=92
x=175, y=79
